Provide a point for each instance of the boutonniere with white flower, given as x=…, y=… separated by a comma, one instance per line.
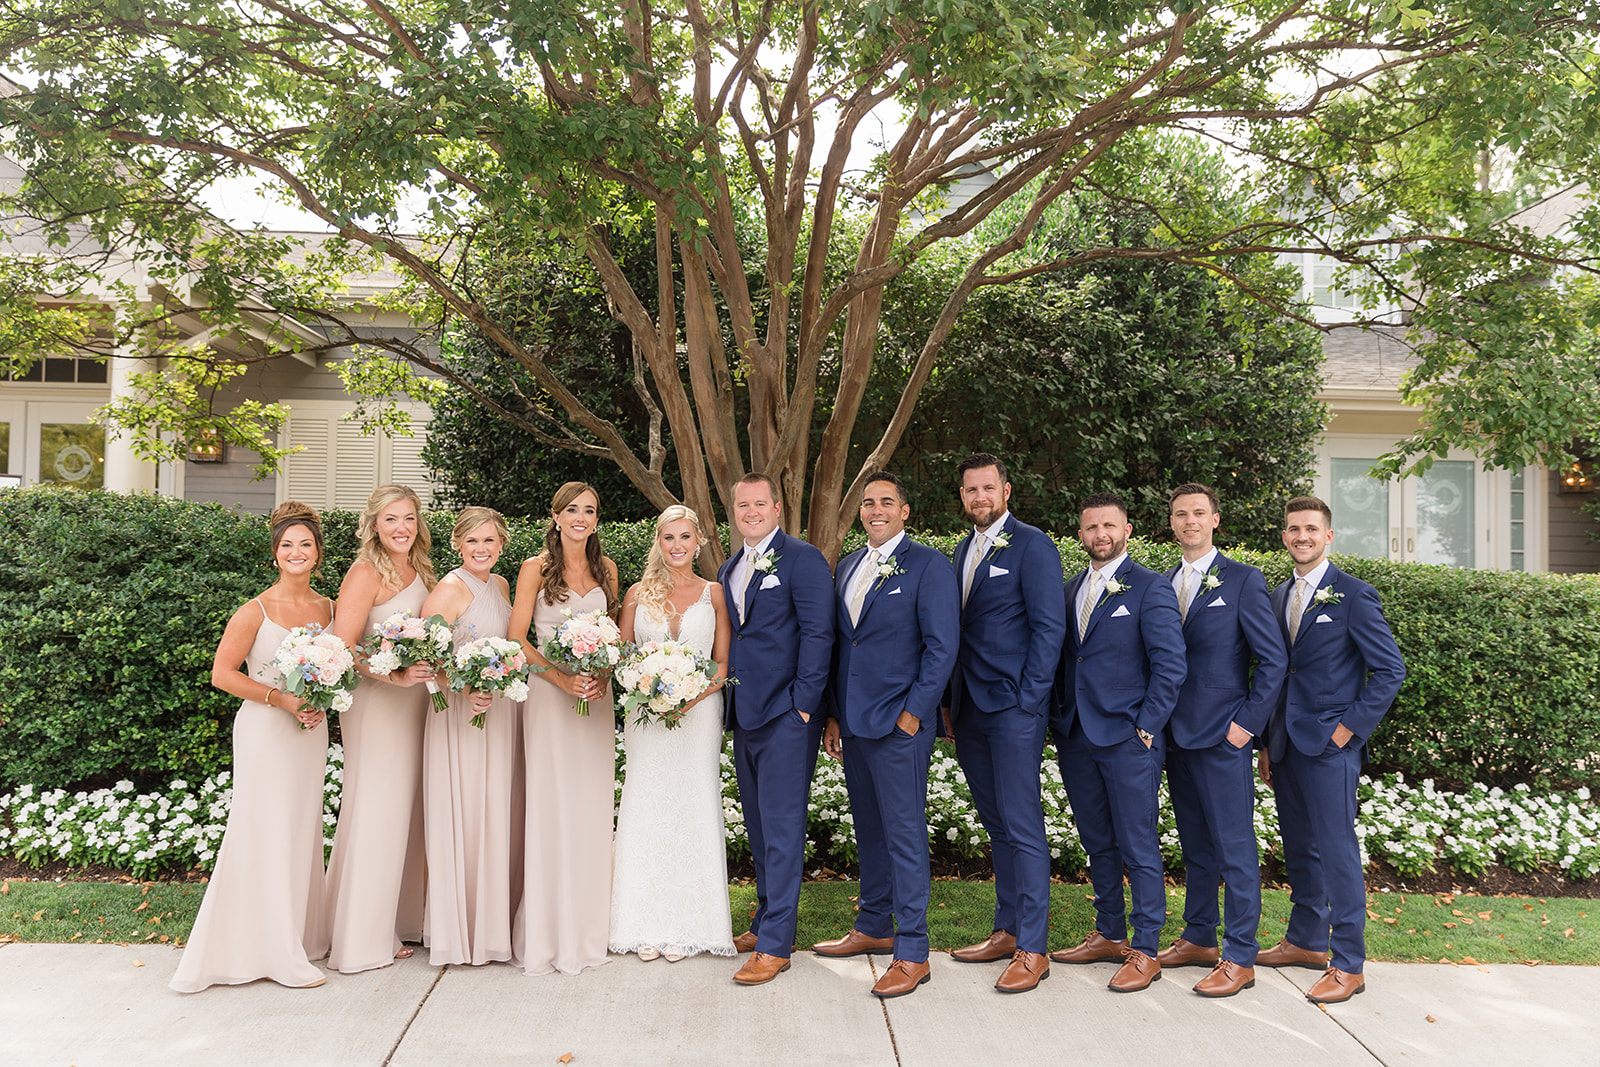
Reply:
x=1209, y=580
x=999, y=541
x=888, y=568
x=1327, y=595
x=766, y=561
x=1115, y=588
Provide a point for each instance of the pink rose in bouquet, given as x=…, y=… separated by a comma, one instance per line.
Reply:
x=586, y=643
x=405, y=640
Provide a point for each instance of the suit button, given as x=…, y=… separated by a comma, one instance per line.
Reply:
x=1293, y=670
x=853, y=644
x=1080, y=659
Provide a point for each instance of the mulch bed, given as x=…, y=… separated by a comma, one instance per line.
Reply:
x=1496, y=881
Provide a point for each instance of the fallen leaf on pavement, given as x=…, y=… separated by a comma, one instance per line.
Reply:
x=138, y=963
x=565, y=1057
x=1430, y=1018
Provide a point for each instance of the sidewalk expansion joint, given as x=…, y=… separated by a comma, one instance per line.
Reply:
x=888, y=1024
x=413, y=1018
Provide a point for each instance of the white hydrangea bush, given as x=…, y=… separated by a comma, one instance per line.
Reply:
x=1416, y=828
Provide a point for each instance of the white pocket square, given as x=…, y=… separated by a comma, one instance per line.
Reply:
x=770, y=582
x=1218, y=603
x=1324, y=618
x=995, y=572
x=1123, y=610
x=893, y=591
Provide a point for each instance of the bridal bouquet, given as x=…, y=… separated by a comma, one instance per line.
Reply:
x=659, y=679
x=587, y=643
x=405, y=640
x=491, y=665
x=318, y=668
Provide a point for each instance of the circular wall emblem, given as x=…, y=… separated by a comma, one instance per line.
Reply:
x=74, y=463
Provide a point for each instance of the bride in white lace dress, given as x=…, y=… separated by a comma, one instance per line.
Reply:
x=669, y=884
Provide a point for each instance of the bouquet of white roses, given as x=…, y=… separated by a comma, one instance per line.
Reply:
x=491, y=665
x=587, y=643
x=660, y=679
x=317, y=667
x=404, y=640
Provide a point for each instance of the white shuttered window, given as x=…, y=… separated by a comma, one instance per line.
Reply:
x=339, y=466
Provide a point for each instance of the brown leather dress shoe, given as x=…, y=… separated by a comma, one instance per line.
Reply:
x=1136, y=973
x=1183, y=953
x=855, y=943
x=901, y=978
x=1096, y=948
x=1284, y=954
x=761, y=968
x=1335, y=987
x=997, y=946
x=1026, y=970
x=745, y=942
x=1226, y=979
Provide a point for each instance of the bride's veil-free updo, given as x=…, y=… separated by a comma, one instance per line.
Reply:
x=656, y=585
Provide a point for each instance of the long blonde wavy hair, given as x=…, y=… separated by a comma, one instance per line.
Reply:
x=371, y=549
x=656, y=585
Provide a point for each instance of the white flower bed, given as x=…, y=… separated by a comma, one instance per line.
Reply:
x=1416, y=828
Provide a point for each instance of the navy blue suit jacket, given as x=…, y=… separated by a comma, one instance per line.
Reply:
x=898, y=656
x=780, y=653
x=1012, y=625
x=1226, y=625
x=1344, y=666
x=1125, y=673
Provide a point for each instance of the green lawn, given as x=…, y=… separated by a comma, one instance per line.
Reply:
x=1424, y=928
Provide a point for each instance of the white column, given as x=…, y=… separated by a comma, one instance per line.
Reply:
x=125, y=472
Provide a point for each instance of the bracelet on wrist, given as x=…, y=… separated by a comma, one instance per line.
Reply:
x=274, y=691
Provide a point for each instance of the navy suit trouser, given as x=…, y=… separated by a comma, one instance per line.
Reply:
x=1213, y=800
x=1316, y=798
x=887, y=778
x=1115, y=795
x=1000, y=755
x=774, y=763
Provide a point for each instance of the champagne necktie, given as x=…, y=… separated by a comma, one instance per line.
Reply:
x=863, y=582
x=1186, y=593
x=1296, y=608
x=1088, y=605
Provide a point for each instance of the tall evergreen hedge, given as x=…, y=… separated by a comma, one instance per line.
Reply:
x=111, y=607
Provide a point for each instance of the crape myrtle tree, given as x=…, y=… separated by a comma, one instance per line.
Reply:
x=699, y=122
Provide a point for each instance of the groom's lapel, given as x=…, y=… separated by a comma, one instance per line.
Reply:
x=775, y=546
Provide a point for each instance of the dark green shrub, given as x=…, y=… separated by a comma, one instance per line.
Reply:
x=111, y=606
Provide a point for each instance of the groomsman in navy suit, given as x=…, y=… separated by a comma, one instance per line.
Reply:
x=1228, y=621
x=1012, y=623
x=780, y=597
x=1120, y=673
x=897, y=625
x=1344, y=673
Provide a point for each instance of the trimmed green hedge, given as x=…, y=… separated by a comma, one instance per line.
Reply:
x=111, y=606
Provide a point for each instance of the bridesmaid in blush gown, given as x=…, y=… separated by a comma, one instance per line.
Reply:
x=375, y=876
x=570, y=758
x=262, y=916
x=669, y=891
x=469, y=775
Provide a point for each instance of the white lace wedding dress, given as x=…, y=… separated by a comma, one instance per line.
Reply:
x=669, y=883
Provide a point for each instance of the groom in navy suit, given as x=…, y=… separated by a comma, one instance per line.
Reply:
x=1012, y=623
x=1228, y=621
x=898, y=624
x=1344, y=673
x=780, y=597
x=1120, y=673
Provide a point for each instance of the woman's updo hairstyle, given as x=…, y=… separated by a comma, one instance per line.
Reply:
x=294, y=513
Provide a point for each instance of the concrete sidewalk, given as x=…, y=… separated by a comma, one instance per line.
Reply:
x=89, y=1005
